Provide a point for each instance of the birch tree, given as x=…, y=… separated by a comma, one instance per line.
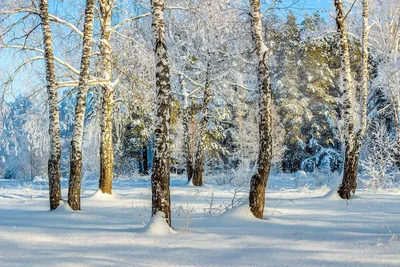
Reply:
x=106, y=142
x=54, y=173
x=161, y=201
x=74, y=190
x=260, y=177
x=187, y=137
x=197, y=178
x=354, y=134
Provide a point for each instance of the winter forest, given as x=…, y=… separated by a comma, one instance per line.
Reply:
x=199, y=132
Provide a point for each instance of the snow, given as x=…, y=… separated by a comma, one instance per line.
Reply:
x=332, y=194
x=64, y=207
x=299, y=229
x=157, y=226
x=103, y=196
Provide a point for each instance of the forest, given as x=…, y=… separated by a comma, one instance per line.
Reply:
x=140, y=132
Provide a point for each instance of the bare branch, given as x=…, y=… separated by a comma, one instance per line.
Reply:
x=129, y=20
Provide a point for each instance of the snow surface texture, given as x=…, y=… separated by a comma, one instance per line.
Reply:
x=301, y=227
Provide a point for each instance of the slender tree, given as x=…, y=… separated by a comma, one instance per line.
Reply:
x=186, y=130
x=106, y=142
x=54, y=172
x=161, y=201
x=260, y=177
x=197, y=178
x=145, y=159
x=354, y=136
x=74, y=190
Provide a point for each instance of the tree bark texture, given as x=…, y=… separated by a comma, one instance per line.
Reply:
x=259, y=179
x=353, y=138
x=187, y=150
x=197, y=178
x=145, y=160
x=54, y=173
x=161, y=202
x=106, y=140
x=75, y=178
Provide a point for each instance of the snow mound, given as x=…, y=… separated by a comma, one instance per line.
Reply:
x=101, y=195
x=64, y=207
x=40, y=179
x=301, y=175
x=190, y=183
x=157, y=226
x=332, y=194
x=241, y=212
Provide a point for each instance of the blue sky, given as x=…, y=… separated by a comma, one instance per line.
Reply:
x=311, y=6
x=8, y=60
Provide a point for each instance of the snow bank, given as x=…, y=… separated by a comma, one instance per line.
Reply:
x=101, y=195
x=241, y=212
x=301, y=175
x=157, y=226
x=40, y=179
x=64, y=207
x=332, y=194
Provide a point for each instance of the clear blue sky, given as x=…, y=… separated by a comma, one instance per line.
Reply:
x=310, y=6
x=8, y=60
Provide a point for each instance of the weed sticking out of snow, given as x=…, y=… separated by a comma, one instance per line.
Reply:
x=275, y=209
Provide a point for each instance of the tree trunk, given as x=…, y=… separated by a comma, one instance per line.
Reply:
x=259, y=179
x=197, y=178
x=353, y=141
x=140, y=161
x=396, y=118
x=54, y=172
x=145, y=160
x=74, y=190
x=161, y=201
x=186, y=131
x=106, y=140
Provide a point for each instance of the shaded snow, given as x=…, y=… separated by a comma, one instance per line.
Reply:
x=298, y=230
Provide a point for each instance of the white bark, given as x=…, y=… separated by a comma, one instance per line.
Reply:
x=74, y=190
x=161, y=201
x=260, y=177
x=106, y=142
x=54, y=172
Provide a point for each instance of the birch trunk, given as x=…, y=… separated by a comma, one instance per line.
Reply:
x=186, y=131
x=396, y=112
x=260, y=177
x=197, y=178
x=106, y=140
x=161, y=201
x=54, y=172
x=353, y=141
x=74, y=190
x=145, y=160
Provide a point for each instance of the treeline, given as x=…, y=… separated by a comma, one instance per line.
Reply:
x=201, y=87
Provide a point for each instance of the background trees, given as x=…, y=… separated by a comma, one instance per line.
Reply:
x=213, y=96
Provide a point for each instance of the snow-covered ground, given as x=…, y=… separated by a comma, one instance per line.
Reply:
x=301, y=227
